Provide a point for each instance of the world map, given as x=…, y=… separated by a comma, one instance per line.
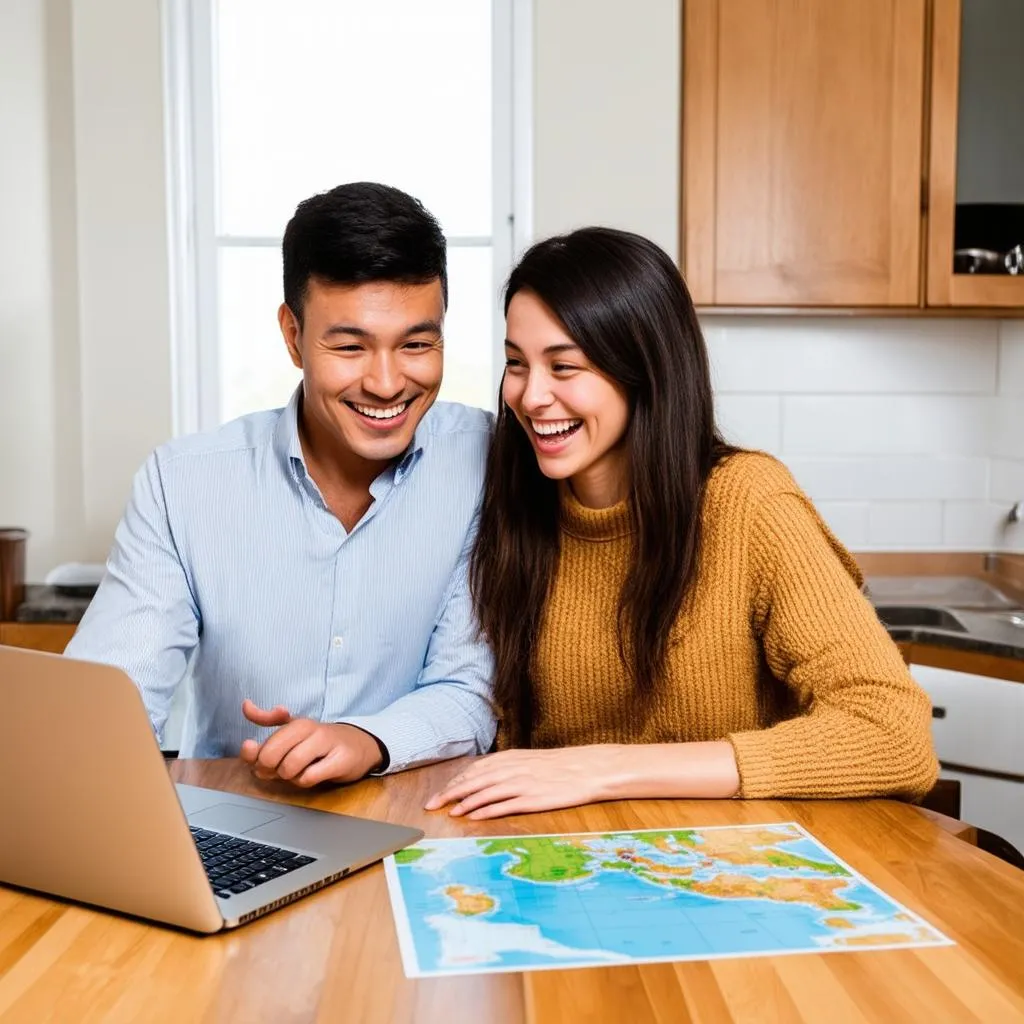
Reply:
x=513, y=903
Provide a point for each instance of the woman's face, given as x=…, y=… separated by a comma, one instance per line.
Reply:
x=574, y=416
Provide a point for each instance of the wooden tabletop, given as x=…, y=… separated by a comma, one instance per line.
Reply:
x=334, y=956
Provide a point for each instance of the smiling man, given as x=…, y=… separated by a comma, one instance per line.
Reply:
x=308, y=564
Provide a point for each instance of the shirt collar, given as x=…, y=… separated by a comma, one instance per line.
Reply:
x=289, y=448
x=286, y=435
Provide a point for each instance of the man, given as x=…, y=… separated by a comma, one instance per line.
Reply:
x=309, y=564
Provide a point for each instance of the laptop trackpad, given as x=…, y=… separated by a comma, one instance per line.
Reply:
x=231, y=818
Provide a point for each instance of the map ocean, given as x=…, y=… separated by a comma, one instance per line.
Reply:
x=514, y=903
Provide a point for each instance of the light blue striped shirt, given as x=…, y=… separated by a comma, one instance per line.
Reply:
x=228, y=562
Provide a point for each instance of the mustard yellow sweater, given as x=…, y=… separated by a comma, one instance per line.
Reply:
x=778, y=651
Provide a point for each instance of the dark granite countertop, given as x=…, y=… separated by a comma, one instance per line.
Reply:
x=985, y=634
x=50, y=604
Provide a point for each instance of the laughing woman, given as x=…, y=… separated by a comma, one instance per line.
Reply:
x=670, y=616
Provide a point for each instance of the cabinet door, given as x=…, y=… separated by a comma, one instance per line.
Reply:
x=976, y=172
x=802, y=143
x=977, y=722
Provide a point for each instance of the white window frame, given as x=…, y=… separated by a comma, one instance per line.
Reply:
x=191, y=174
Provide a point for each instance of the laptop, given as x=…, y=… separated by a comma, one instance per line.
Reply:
x=88, y=811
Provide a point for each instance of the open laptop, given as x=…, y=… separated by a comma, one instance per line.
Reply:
x=88, y=811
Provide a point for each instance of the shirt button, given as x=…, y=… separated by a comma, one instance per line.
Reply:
x=337, y=641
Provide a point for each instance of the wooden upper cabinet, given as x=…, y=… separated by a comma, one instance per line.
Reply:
x=976, y=153
x=802, y=152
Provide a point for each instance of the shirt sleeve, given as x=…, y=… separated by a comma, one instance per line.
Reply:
x=144, y=618
x=449, y=712
x=862, y=726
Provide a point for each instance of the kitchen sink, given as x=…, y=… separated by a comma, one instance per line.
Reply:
x=922, y=616
x=1008, y=618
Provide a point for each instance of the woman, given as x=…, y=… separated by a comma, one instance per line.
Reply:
x=669, y=615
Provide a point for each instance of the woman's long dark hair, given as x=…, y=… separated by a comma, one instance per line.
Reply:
x=623, y=301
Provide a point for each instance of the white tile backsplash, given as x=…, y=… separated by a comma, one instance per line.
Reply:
x=981, y=526
x=1008, y=428
x=848, y=520
x=1011, y=357
x=890, y=477
x=752, y=421
x=939, y=425
x=820, y=356
x=1006, y=481
x=905, y=433
x=905, y=524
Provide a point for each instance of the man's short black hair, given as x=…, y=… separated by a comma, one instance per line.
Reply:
x=361, y=232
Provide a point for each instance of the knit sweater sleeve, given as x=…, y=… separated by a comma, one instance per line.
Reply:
x=864, y=726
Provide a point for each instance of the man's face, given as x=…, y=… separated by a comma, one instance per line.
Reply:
x=371, y=361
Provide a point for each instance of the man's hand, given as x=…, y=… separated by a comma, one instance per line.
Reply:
x=305, y=752
x=521, y=781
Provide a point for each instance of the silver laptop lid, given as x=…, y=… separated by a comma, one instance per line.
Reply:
x=87, y=808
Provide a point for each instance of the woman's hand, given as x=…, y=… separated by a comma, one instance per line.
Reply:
x=521, y=781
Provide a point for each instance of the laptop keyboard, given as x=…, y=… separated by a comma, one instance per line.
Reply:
x=235, y=865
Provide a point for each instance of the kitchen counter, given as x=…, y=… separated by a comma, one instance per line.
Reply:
x=985, y=634
x=993, y=623
x=959, y=613
x=49, y=604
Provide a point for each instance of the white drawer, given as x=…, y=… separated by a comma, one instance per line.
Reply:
x=977, y=722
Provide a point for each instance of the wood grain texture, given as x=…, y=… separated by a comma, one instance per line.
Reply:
x=1010, y=669
x=333, y=956
x=811, y=117
x=903, y=312
x=944, y=288
x=921, y=563
x=37, y=636
x=699, y=136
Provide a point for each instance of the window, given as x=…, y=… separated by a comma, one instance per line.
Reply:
x=272, y=101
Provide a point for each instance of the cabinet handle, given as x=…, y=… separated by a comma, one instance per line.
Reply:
x=938, y=712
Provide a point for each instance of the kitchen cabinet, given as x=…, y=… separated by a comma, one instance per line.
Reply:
x=820, y=163
x=976, y=153
x=802, y=151
x=37, y=636
x=978, y=730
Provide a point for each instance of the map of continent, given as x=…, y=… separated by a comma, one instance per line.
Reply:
x=513, y=903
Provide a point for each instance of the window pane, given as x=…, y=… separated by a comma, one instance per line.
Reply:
x=313, y=93
x=256, y=372
x=255, y=369
x=469, y=327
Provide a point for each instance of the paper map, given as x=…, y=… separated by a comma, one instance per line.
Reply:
x=530, y=902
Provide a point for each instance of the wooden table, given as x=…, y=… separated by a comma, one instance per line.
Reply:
x=334, y=956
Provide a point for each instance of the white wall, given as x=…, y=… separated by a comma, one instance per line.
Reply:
x=37, y=331
x=606, y=116
x=124, y=302
x=909, y=433
x=85, y=386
